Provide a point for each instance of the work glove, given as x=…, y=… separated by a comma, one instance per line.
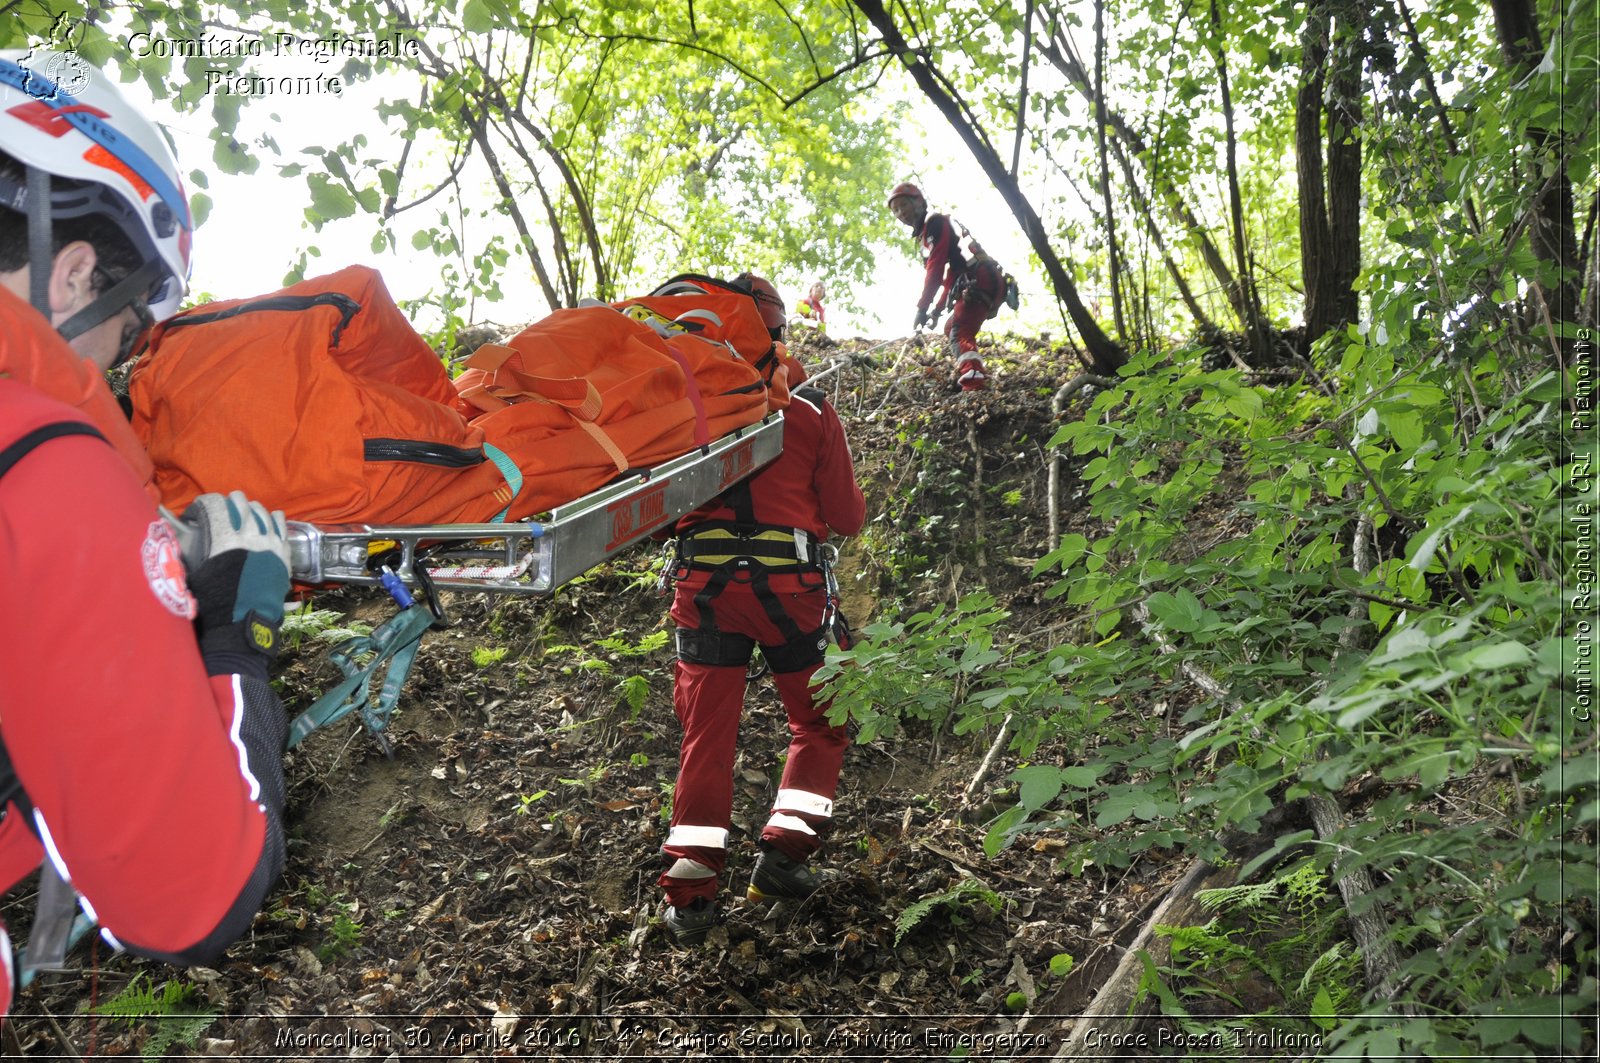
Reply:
x=933, y=317
x=922, y=318
x=237, y=557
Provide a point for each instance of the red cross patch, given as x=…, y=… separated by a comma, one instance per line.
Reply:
x=163, y=567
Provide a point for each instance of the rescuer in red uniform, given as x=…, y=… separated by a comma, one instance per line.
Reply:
x=750, y=572
x=140, y=745
x=971, y=289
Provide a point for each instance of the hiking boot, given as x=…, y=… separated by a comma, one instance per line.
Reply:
x=970, y=375
x=690, y=924
x=778, y=878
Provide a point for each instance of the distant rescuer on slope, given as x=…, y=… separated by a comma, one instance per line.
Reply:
x=972, y=290
x=752, y=570
x=140, y=745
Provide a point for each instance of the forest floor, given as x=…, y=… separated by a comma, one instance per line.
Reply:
x=489, y=892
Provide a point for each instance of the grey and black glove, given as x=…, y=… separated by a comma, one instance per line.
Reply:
x=237, y=557
x=922, y=318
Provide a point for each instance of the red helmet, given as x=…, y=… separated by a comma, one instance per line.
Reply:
x=773, y=311
x=905, y=188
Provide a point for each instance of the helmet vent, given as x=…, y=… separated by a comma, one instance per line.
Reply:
x=162, y=220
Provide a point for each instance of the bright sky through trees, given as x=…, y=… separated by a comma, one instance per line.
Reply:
x=255, y=231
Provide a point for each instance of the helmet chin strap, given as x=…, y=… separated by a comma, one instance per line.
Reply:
x=40, y=251
x=41, y=257
x=112, y=301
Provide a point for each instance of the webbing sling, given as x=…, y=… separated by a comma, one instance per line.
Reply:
x=393, y=647
x=512, y=474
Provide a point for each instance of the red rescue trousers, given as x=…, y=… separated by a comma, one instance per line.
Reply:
x=709, y=701
x=974, y=307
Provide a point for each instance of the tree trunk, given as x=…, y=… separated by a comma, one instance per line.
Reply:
x=1254, y=327
x=1106, y=353
x=1344, y=167
x=480, y=132
x=1113, y=258
x=1552, y=232
x=1314, y=252
x=1329, y=185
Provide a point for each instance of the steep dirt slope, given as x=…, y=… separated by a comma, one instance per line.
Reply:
x=490, y=890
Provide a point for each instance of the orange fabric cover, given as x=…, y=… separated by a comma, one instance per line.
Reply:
x=322, y=401
x=277, y=397
x=571, y=394
x=735, y=320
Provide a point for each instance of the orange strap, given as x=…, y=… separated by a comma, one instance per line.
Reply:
x=505, y=381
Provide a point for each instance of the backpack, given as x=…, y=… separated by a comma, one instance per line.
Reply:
x=322, y=401
x=986, y=281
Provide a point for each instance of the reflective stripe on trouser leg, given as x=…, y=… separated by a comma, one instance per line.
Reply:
x=683, y=836
x=688, y=877
x=811, y=773
x=708, y=700
x=698, y=855
x=800, y=811
x=803, y=801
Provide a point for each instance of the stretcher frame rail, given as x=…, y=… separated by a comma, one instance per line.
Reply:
x=534, y=557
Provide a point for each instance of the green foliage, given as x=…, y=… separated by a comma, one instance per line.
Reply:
x=344, y=935
x=1279, y=938
x=602, y=183
x=1458, y=700
x=941, y=667
x=925, y=509
x=484, y=656
x=322, y=625
x=967, y=891
x=632, y=689
x=171, y=1012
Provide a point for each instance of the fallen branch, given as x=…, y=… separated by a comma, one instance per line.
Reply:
x=1377, y=951
x=1115, y=1008
x=1057, y=404
x=988, y=761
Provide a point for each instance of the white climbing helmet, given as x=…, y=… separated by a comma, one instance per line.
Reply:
x=63, y=118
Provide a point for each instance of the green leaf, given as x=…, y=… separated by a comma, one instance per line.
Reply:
x=1039, y=785
x=1082, y=776
x=1323, y=1013
x=477, y=17
x=200, y=207
x=1492, y=658
x=329, y=201
x=1181, y=612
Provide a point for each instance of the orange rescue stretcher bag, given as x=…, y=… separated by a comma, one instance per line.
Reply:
x=321, y=400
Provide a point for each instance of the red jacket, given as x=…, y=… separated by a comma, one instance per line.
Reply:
x=812, y=485
x=152, y=776
x=32, y=352
x=942, y=258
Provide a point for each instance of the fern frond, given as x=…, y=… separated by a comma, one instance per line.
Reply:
x=967, y=887
x=176, y=1030
x=136, y=1001
x=1227, y=899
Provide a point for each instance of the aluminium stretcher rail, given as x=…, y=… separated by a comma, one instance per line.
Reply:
x=525, y=557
